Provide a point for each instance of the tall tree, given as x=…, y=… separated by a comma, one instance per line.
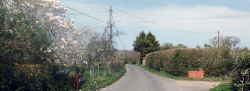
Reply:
x=145, y=44
x=139, y=45
x=138, y=41
x=153, y=44
x=229, y=42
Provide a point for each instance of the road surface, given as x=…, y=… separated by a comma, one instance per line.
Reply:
x=137, y=79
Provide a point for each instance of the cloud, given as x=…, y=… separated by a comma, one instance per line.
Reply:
x=194, y=25
x=228, y=26
x=165, y=13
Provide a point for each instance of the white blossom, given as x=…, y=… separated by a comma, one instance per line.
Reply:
x=11, y=31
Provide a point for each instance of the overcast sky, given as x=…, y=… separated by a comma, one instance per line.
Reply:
x=188, y=22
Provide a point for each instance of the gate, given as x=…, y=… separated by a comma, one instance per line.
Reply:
x=75, y=81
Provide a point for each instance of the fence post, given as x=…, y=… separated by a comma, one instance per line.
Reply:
x=77, y=81
x=98, y=70
x=74, y=81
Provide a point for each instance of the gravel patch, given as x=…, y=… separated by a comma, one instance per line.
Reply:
x=197, y=85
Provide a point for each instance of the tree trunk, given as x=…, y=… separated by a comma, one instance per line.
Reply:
x=105, y=65
x=93, y=69
x=90, y=71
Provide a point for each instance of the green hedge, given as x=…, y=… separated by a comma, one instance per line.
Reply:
x=214, y=61
x=31, y=77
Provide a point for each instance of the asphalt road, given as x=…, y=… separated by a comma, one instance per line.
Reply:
x=137, y=79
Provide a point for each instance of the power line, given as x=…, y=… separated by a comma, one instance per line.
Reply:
x=89, y=13
x=193, y=18
x=129, y=47
x=120, y=38
x=159, y=24
x=116, y=29
x=86, y=14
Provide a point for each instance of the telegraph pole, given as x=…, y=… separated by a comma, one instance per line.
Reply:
x=110, y=39
x=110, y=24
x=218, y=40
x=123, y=51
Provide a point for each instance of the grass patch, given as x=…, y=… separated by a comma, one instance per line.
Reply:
x=101, y=81
x=222, y=87
x=92, y=84
x=71, y=70
x=164, y=74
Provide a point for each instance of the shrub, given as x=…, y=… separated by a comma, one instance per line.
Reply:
x=116, y=65
x=241, y=73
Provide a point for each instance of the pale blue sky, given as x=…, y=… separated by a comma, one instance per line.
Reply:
x=168, y=10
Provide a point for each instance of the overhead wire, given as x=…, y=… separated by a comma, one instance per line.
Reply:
x=193, y=18
x=129, y=47
x=161, y=25
x=117, y=30
x=86, y=14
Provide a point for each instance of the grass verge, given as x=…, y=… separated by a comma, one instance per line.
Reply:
x=222, y=87
x=164, y=74
x=92, y=84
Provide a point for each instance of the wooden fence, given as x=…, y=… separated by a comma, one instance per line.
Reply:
x=74, y=81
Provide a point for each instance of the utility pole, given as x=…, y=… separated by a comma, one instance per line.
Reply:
x=218, y=40
x=123, y=51
x=110, y=39
x=110, y=22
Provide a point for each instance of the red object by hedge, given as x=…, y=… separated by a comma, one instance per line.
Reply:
x=196, y=74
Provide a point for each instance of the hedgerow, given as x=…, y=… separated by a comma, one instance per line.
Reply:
x=214, y=61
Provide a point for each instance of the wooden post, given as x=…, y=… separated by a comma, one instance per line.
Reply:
x=218, y=40
x=98, y=70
